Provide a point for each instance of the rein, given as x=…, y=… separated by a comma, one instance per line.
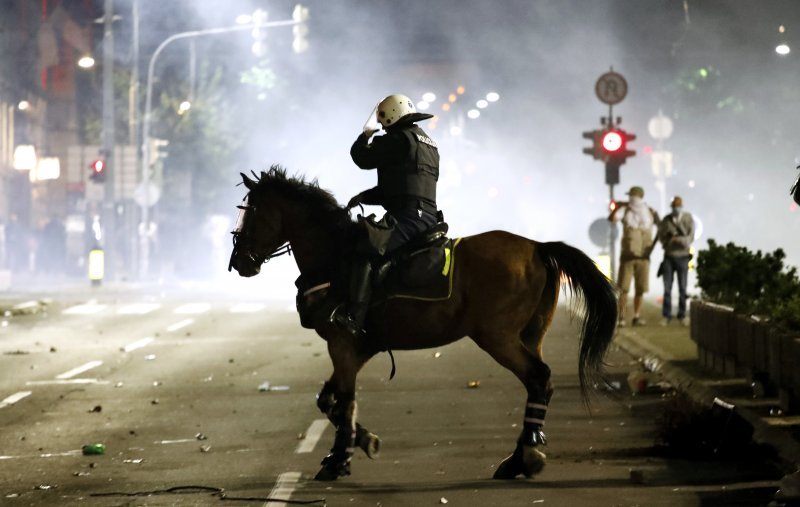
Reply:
x=286, y=248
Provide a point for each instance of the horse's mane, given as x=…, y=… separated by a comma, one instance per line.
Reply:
x=320, y=204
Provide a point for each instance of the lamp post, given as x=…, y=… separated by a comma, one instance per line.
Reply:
x=144, y=252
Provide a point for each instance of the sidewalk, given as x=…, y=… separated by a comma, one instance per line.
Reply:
x=670, y=352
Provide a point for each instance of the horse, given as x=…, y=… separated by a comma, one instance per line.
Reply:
x=504, y=294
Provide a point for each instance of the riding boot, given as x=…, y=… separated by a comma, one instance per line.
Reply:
x=360, y=291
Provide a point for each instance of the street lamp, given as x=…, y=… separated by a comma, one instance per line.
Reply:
x=144, y=253
x=25, y=157
x=86, y=62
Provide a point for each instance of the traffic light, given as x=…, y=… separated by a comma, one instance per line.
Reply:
x=612, y=142
x=259, y=33
x=98, y=170
x=300, y=29
x=158, y=150
x=614, y=145
x=595, y=150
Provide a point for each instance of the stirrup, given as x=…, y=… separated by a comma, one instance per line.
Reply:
x=342, y=318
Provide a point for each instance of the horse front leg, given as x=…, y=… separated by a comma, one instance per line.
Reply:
x=343, y=412
x=367, y=441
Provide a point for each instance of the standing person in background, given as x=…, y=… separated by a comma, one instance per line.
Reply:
x=676, y=233
x=638, y=239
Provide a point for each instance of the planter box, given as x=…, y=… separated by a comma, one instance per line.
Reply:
x=737, y=345
x=711, y=330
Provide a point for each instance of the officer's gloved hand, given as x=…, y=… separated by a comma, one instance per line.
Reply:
x=369, y=131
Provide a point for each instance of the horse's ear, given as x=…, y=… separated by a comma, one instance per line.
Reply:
x=250, y=184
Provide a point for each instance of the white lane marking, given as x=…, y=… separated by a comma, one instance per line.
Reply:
x=180, y=324
x=14, y=398
x=247, y=308
x=65, y=382
x=138, y=344
x=179, y=441
x=287, y=482
x=80, y=369
x=26, y=305
x=138, y=309
x=76, y=452
x=89, y=308
x=313, y=434
x=192, y=309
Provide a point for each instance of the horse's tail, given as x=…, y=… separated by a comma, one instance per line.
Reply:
x=595, y=293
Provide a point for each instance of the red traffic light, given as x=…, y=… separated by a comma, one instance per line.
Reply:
x=98, y=166
x=612, y=141
x=98, y=170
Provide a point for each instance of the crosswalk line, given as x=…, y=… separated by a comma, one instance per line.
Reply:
x=192, y=308
x=138, y=309
x=84, y=309
x=14, y=398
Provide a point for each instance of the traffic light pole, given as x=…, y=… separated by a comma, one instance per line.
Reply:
x=610, y=146
x=144, y=251
x=108, y=210
x=612, y=178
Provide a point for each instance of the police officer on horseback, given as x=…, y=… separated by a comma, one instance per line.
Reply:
x=407, y=160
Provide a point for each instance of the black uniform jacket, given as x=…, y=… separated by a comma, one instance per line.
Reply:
x=407, y=161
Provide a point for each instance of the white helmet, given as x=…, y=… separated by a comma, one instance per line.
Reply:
x=394, y=107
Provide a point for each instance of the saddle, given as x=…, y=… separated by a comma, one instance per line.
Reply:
x=420, y=269
x=416, y=263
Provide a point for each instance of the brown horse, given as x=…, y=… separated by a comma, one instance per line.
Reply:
x=504, y=294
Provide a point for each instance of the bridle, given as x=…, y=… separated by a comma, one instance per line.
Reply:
x=246, y=212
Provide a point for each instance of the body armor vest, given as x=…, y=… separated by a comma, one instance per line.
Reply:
x=411, y=181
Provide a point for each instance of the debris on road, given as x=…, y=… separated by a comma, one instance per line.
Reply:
x=474, y=384
x=93, y=449
x=265, y=386
x=200, y=436
x=119, y=384
x=443, y=500
x=205, y=448
x=45, y=487
x=133, y=461
x=437, y=355
x=81, y=474
x=149, y=357
x=96, y=409
x=641, y=382
x=16, y=353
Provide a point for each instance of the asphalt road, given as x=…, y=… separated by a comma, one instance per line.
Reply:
x=170, y=385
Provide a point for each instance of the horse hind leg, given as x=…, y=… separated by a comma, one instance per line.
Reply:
x=527, y=458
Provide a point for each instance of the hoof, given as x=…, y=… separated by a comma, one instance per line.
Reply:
x=370, y=444
x=510, y=467
x=533, y=461
x=525, y=460
x=332, y=469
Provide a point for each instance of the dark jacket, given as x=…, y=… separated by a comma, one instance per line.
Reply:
x=407, y=161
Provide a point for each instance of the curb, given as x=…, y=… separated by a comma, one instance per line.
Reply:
x=787, y=448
